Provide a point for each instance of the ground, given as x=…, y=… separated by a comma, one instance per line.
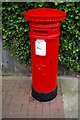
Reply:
x=17, y=101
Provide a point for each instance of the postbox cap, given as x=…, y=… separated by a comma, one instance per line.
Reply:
x=44, y=15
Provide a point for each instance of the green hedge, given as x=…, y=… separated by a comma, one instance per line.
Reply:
x=15, y=31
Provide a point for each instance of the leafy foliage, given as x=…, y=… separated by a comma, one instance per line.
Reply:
x=15, y=31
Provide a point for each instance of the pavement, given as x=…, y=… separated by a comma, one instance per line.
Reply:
x=0, y=97
x=17, y=101
x=69, y=86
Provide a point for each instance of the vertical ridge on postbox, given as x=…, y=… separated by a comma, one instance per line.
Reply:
x=44, y=38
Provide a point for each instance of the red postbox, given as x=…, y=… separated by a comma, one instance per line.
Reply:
x=44, y=36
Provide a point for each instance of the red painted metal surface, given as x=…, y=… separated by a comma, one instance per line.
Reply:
x=44, y=14
x=45, y=25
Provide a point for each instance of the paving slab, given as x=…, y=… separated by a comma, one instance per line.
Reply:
x=0, y=97
x=69, y=86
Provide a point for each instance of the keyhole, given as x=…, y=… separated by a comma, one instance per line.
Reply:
x=50, y=62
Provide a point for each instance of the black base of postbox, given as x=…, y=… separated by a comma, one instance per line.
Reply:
x=44, y=97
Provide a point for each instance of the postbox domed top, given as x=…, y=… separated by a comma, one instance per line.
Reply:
x=44, y=15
